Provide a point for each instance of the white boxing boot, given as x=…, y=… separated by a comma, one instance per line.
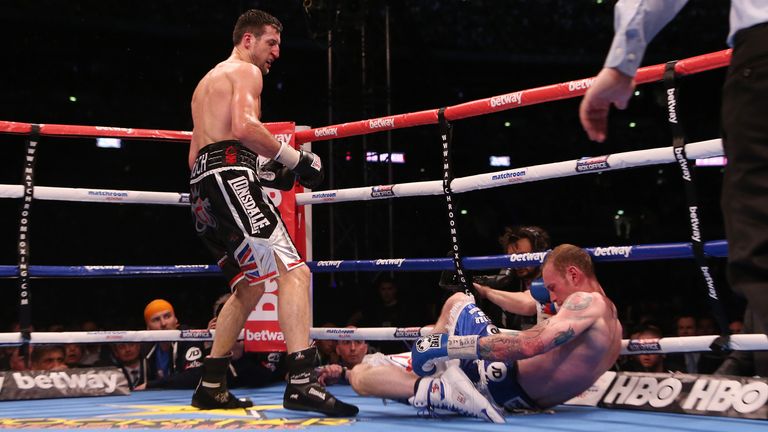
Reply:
x=453, y=391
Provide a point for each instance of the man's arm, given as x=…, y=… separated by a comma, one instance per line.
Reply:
x=520, y=303
x=247, y=85
x=636, y=22
x=578, y=314
x=246, y=88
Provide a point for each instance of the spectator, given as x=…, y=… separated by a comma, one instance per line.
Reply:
x=13, y=360
x=351, y=353
x=649, y=362
x=127, y=356
x=166, y=361
x=48, y=357
x=73, y=354
x=92, y=353
x=705, y=326
x=326, y=348
x=685, y=326
x=387, y=311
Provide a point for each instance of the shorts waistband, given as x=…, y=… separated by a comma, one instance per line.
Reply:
x=223, y=154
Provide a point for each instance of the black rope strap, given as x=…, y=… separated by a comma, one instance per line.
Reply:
x=692, y=200
x=446, y=136
x=25, y=313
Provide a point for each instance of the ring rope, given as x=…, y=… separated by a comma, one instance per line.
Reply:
x=506, y=101
x=638, y=158
x=740, y=342
x=649, y=252
x=493, y=104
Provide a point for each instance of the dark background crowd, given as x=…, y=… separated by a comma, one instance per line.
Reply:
x=136, y=65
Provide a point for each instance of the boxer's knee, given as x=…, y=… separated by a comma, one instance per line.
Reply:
x=356, y=377
x=453, y=300
x=247, y=292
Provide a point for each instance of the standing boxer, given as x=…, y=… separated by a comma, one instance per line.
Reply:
x=239, y=223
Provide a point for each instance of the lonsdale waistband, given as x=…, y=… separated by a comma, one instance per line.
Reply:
x=223, y=154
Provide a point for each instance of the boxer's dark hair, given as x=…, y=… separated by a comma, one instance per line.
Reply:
x=537, y=236
x=254, y=21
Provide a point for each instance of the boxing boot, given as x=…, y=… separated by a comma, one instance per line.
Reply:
x=453, y=391
x=212, y=392
x=304, y=393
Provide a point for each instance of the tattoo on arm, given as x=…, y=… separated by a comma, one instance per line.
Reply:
x=564, y=336
x=578, y=302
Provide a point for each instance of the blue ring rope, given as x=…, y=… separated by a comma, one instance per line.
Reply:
x=662, y=251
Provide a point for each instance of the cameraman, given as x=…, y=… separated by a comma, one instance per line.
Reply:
x=506, y=297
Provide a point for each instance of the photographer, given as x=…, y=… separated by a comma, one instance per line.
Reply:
x=506, y=297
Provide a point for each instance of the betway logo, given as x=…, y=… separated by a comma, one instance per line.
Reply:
x=382, y=123
x=264, y=335
x=63, y=380
x=671, y=103
x=283, y=138
x=255, y=216
x=535, y=256
x=693, y=212
x=507, y=99
x=624, y=251
x=582, y=84
x=329, y=263
x=396, y=261
x=683, y=163
x=326, y=131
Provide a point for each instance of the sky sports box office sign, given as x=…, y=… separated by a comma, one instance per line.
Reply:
x=62, y=383
x=712, y=395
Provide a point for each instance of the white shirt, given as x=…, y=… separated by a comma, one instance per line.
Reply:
x=636, y=22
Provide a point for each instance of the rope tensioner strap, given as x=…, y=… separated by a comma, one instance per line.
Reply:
x=692, y=201
x=446, y=136
x=25, y=313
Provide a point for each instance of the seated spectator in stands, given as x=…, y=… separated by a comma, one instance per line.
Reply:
x=685, y=326
x=249, y=369
x=13, y=360
x=351, y=353
x=648, y=362
x=48, y=357
x=387, y=310
x=170, y=364
x=73, y=353
x=127, y=357
x=92, y=353
x=326, y=348
x=705, y=326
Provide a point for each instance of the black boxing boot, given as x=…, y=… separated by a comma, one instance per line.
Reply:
x=304, y=393
x=212, y=392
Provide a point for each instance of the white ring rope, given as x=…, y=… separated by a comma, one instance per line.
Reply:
x=739, y=342
x=616, y=161
x=97, y=195
x=702, y=149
